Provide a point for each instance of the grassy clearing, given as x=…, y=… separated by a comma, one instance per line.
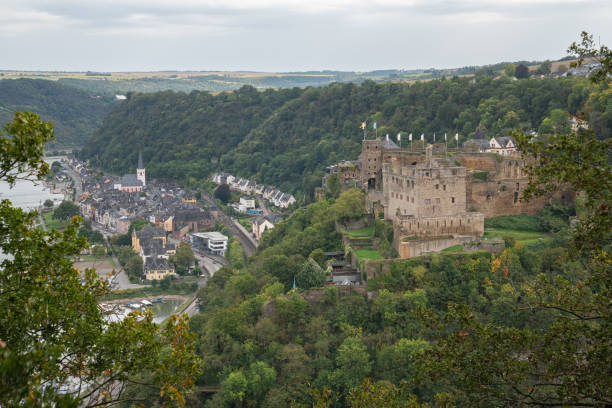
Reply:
x=52, y=223
x=454, y=248
x=516, y=234
x=368, y=253
x=366, y=232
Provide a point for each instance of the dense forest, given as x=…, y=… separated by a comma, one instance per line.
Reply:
x=268, y=345
x=75, y=114
x=287, y=137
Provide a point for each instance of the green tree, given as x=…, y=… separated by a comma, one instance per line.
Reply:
x=66, y=210
x=137, y=225
x=52, y=331
x=521, y=72
x=353, y=364
x=310, y=275
x=350, y=204
x=586, y=48
x=223, y=193
x=560, y=121
x=544, y=68
x=235, y=387
x=509, y=69
x=333, y=185
x=184, y=257
x=48, y=203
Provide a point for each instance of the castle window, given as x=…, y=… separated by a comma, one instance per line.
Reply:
x=427, y=201
x=437, y=201
x=437, y=186
x=453, y=200
x=444, y=187
x=454, y=172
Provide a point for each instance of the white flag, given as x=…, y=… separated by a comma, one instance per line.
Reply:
x=387, y=137
x=445, y=137
x=422, y=136
x=410, y=137
x=457, y=136
x=399, y=137
x=434, y=137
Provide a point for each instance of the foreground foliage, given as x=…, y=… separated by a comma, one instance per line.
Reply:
x=53, y=335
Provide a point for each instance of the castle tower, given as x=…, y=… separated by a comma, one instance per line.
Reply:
x=140, y=171
x=371, y=163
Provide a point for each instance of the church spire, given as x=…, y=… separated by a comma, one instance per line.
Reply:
x=140, y=160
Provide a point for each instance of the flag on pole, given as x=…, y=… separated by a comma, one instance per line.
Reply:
x=387, y=137
x=423, y=136
x=457, y=136
x=399, y=137
x=363, y=125
x=434, y=137
x=374, y=126
x=410, y=137
x=445, y=137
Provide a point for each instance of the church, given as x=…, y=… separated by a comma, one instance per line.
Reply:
x=133, y=183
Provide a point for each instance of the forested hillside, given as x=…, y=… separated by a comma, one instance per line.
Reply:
x=269, y=346
x=287, y=137
x=75, y=114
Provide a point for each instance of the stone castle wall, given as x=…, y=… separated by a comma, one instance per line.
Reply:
x=411, y=249
x=471, y=224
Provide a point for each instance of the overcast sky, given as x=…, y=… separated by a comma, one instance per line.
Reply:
x=290, y=35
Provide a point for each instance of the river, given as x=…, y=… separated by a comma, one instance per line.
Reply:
x=27, y=194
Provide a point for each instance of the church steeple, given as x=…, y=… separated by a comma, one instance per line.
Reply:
x=140, y=171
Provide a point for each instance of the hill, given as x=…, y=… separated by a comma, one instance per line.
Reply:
x=76, y=114
x=287, y=137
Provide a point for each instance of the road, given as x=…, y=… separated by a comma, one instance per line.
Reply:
x=245, y=239
x=121, y=279
x=78, y=185
x=263, y=206
x=209, y=265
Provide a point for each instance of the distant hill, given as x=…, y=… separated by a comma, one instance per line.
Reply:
x=76, y=114
x=287, y=137
x=110, y=83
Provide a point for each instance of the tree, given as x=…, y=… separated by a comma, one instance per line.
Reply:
x=544, y=68
x=137, y=225
x=587, y=49
x=333, y=185
x=310, y=275
x=521, y=72
x=509, y=70
x=184, y=257
x=353, y=362
x=66, y=210
x=52, y=331
x=562, y=68
x=223, y=193
x=48, y=203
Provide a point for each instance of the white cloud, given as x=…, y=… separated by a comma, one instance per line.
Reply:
x=292, y=34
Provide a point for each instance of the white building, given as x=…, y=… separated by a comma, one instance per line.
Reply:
x=215, y=242
x=504, y=146
x=247, y=202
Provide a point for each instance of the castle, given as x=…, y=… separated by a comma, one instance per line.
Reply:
x=441, y=198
